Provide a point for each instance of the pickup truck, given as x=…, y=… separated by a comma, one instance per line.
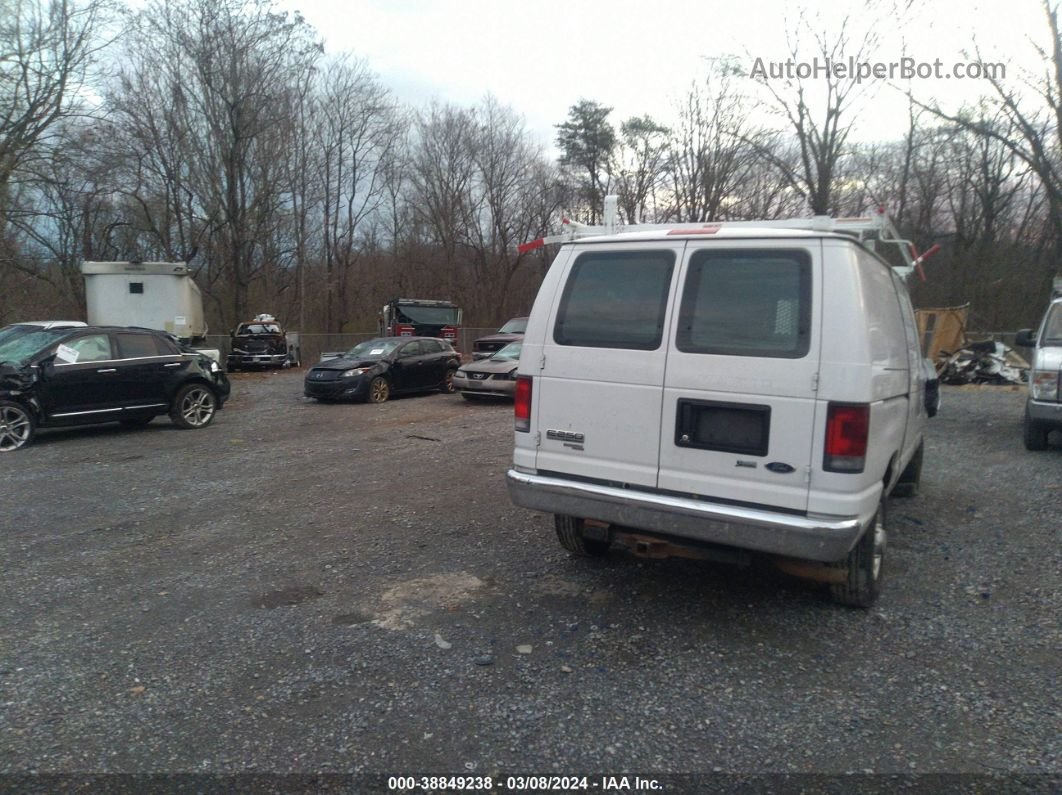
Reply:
x=262, y=343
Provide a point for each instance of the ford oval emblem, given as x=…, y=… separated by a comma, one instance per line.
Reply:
x=780, y=468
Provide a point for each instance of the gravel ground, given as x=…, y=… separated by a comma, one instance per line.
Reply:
x=310, y=588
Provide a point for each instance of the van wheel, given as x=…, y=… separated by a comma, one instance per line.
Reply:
x=17, y=426
x=911, y=477
x=865, y=564
x=569, y=533
x=1034, y=434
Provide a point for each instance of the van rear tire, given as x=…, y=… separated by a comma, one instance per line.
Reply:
x=865, y=564
x=569, y=533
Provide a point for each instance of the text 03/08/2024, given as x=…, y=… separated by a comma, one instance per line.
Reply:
x=526, y=783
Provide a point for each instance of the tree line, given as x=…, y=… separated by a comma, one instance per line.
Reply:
x=293, y=181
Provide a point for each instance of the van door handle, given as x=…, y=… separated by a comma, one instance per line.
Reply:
x=108, y=370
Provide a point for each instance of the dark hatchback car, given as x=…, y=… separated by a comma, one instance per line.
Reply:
x=94, y=374
x=379, y=368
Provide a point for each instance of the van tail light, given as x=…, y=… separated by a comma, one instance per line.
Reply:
x=847, y=429
x=522, y=403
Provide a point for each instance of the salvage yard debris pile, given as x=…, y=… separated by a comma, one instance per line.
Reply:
x=960, y=360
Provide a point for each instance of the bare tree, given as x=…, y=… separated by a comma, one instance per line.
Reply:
x=441, y=179
x=765, y=190
x=224, y=83
x=479, y=186
x=358, y=129
x=710, y=154
x=46, y=50
x=818, y=109
x=1032, y=107
x=639, y=167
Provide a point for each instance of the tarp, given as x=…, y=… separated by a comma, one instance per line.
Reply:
x=942, y=329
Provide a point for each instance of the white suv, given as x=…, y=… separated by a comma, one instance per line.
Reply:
x=723, y=387
x=1043, y=409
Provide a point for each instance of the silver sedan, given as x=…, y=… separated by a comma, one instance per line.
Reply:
x=494, y=377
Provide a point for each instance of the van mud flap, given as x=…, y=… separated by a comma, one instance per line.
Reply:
x=811, y=570
x=654, y=547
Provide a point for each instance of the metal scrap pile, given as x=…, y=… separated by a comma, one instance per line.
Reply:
x=987, y=362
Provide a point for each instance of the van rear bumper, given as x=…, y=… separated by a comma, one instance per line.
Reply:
x=824, y=539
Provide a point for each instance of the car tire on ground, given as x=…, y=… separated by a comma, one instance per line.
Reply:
x=569, y=533
x=379, y=390
x=911, y=477
x=17, y=426
x=194, y=406
x=865, y=565
x=1034, y=434
x=447, y=387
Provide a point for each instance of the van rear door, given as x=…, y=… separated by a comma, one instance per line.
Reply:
x=599, y=375
x=738, y=416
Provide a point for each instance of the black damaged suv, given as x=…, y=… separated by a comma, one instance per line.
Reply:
x=94, y=374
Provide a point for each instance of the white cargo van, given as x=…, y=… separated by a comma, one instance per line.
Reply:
x=723, y=388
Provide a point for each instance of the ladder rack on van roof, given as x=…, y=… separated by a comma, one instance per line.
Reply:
x=875, y=232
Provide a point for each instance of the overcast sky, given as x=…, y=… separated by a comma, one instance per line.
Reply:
x=542, y=56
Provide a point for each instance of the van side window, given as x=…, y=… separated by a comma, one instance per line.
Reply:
x=747, y=303
x=615, y=300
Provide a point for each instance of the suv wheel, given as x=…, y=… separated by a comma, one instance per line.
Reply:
x=194, y=406
x=865, y=564
x=1034, y=434
x=17, y=426
x=569, y=533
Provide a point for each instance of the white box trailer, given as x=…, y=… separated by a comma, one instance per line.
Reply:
x=156, y=295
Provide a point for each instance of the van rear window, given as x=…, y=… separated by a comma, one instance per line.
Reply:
x=615, y=300
x=747, y=303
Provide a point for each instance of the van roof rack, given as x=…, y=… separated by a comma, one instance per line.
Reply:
x=875, y=231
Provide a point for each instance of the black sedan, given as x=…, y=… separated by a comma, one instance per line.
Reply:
x=375, y=370
x=94, y=374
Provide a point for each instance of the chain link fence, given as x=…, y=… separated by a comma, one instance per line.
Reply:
x=311, y=346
